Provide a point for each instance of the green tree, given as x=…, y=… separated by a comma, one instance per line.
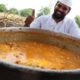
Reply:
x=13, y=11
x=39, y=14
x=3, y=8
x=26, y=12
x=45, y=10
x=77, y=19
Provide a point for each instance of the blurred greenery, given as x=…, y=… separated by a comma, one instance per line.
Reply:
x=26, y=12
x=44, y=11
x=13, y=11
x=3, y=8
x=77, y=19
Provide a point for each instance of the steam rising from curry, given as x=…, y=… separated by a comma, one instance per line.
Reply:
x=38, y=54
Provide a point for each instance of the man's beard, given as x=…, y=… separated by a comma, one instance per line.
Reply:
x=58, y=15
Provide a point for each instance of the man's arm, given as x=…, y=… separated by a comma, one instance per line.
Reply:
x=29, y=19
x=36, y=23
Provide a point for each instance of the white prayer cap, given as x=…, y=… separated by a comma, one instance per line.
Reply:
x=66, y=2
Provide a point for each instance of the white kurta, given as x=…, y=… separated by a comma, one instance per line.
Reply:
x=66, y=26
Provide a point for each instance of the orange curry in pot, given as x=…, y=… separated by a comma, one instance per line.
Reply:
x=38, y=54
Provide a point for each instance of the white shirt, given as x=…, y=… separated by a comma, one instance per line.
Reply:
x=66, y=26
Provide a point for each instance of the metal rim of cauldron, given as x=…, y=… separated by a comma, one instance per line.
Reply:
x=25, y=68
x=29, y=68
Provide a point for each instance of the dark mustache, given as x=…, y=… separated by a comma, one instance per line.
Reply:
x=59, y=11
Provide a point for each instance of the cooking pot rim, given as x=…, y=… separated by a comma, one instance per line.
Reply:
x=30, y=68
x=25, y=68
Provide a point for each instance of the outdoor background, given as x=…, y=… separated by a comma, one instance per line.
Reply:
x=14, y=12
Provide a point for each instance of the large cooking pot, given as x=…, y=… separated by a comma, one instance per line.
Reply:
x=9, y=71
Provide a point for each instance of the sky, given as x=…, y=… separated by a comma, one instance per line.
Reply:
x=37, y=4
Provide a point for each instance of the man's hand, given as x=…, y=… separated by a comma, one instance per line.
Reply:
x=29, y=19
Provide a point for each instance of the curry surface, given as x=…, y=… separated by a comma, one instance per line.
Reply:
x=39, y=55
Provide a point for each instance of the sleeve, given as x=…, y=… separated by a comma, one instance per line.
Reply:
x=36, y=23
x=74, y=30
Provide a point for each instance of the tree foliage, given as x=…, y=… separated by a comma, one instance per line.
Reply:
x=39, y=14
x=13, y=11
x=45, y=10
x=3, y=8
x=26, y=12
x=77, y=19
